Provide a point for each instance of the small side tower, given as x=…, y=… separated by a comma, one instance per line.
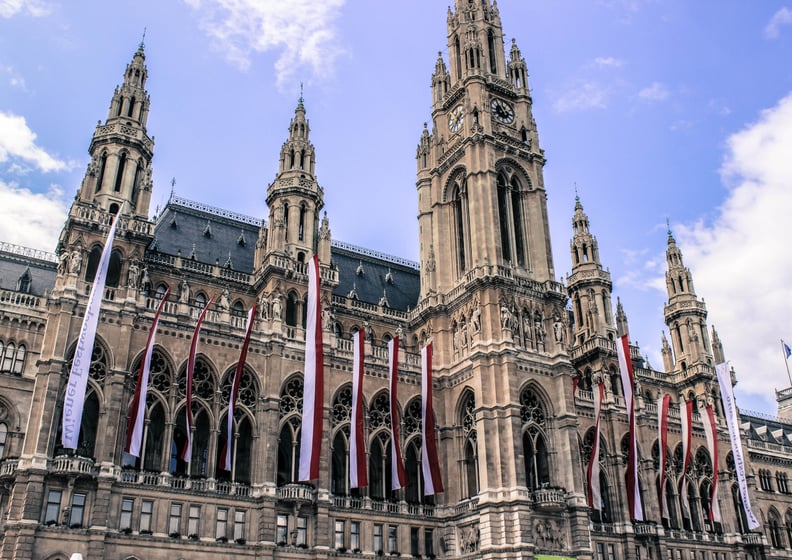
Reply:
x=589, y=284
x=294, y=198
x=121, y=150
x=685, y=315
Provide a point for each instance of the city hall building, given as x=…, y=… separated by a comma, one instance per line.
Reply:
x=517, y=358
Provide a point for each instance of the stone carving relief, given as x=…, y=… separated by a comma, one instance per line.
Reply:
x=549, y=535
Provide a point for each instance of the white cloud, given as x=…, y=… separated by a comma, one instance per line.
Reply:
x=741, y=262
x=35, y=8
x=781, y=17
x=18, y=141
x=608, y=62
x=587, y=95
x=654, y=92
x=302, y=31
x=31, y=219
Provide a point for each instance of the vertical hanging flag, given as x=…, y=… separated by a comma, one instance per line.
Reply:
x=313, y=394
x=233, y=395
x=628, y=382
x=398, y=474
x=430, y=463
x=137, y=410
x=730, y=411
x=593, y=472
x=74, y=400
x=686, y=424
x=186, y=453
x=575, y=384
x=787, y=353
x=711, y=432
x=358, y=473
x=662, y=438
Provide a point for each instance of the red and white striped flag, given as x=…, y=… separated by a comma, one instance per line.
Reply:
x=137, y=410
x=186, y=453
x=74, y=401
x=398, y=474
x=234, y=394
x=711, y=432
x=358, y=473
x=430, y=464
x=313, y=394
x=628, y=382
x=686, y=423
x=593, y=472
x=662, y=438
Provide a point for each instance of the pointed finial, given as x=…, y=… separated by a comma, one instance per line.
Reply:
x=668, y=226
x=173, y=188
x=142, y=44
x=301, y=92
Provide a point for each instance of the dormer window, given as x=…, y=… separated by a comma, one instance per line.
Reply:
x=389, y=277
x=360, y=271
x=208, y=229
x=241, y=239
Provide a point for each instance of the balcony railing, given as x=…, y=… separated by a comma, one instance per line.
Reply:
x=145, y=478
x=549, y=498
x=296, y=493
x=76, y=465
x=754, y=539
x=8, y=467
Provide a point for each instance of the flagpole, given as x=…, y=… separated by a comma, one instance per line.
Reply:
x=786, y=360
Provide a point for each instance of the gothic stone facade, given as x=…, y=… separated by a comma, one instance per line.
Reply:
x=509, y=339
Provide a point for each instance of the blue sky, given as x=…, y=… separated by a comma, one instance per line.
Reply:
x=655, y=110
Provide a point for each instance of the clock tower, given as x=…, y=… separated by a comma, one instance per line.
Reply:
x=489, y=299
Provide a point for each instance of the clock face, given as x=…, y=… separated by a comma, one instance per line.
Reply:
x=502, y=111
x=455, y=119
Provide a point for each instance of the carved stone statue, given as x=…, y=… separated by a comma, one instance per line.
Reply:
x=133, y=275
x=475, y=318
x=506, y=316
x=224, y=302
x=184, y=291
x=76, y=261
x=277, y=307
x=558, y=329
x=263, y=307
x=63, y=263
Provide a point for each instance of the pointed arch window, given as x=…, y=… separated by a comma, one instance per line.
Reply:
x=120, y=172
x=292, y=309
x=460, y=222
x=89, y=425
x=113, y=270
x=291, y=400
x=93, y=264
x=458, y=57
x=100, y=173
x=537, y=470
x=491, y=50
x=154, y=439
x=136, y=183
x=510, y=218
x=8, y=357
x=470, y=447
x=340, y=416
x=131, y=107
x=19, y=360
x=301, y=228
x=380, y=449
x=775, y=533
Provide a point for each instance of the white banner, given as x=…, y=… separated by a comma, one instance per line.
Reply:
x=730, y=410
x=74, y=400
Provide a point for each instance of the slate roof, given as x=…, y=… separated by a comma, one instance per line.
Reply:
x=15, y=261
x=210, y=234
x=373, y=275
